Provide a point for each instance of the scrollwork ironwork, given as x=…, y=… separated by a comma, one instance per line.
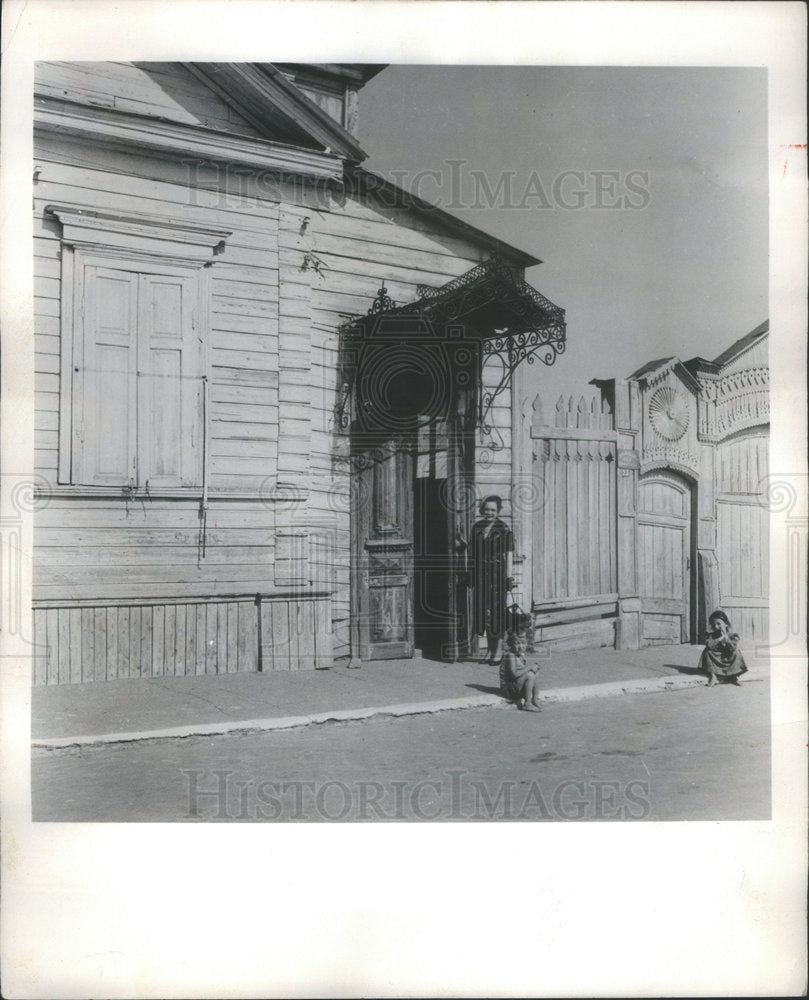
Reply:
x=535, y=326
x=382, y=303
x=511, y=350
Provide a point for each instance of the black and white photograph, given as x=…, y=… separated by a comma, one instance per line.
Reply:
x=403, y=465
x=323, y=472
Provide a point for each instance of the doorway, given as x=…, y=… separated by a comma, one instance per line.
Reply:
x=412, y=444
x=441, y=491
x=408, y=587
x=433, y=569
x=665, y=557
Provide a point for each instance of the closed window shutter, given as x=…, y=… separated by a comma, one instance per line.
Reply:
x=168, y=383
x=107, y=421
x=139, y=400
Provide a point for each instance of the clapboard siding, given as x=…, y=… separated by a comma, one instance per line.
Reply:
x=57, y=513
x=349, y=245
x=212, y=111
x=295, y=344
x=342, y=273
x=47, y=326
x=91, y=577
x=493, y=472
x=103, y=189
x=47, y=267
x=83, y=548
x=395, y=228
x=146, y=553
x=47, y=307
x=46, y=382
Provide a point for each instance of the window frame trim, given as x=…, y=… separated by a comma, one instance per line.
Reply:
x=144, y=244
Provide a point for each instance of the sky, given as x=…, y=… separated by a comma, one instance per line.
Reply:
x=642, y=190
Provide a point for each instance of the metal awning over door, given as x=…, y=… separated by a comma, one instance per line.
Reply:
x=490, y=310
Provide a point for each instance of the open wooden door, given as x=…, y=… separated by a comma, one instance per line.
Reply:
x=414, y=393
x=382, y=570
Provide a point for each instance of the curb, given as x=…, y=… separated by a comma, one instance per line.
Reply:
x=610, y=689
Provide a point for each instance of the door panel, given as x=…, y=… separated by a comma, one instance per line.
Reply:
x=742, y=531
x=383, y=549
x=664, y=548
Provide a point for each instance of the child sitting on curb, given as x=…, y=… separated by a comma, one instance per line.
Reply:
x=518, y=682
x=721, y=659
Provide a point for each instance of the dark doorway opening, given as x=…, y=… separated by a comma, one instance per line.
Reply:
x=433, y=569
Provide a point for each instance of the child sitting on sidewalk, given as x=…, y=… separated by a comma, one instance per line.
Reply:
x=721, y=659
x=518, y=682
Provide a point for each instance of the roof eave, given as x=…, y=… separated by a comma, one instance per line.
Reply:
x=742, y=345
x=445, y=219
x=356, y=73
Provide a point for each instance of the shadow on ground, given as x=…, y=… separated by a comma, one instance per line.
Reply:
x=485, y=688
x=691, y=671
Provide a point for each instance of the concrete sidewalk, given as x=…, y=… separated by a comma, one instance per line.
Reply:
x=172, y=707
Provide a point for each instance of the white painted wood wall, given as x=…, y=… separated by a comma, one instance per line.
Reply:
x=299, y=259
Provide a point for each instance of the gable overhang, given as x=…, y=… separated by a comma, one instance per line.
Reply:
x=273, y=103
x=354, y=74
x=742, y=346
x=128, y=131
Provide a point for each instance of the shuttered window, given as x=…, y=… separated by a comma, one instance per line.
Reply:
x=137, y=377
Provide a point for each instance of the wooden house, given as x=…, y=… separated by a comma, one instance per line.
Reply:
x=221, y=486
x=652, y=504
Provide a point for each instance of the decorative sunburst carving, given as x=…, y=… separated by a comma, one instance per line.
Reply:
x=668, y=411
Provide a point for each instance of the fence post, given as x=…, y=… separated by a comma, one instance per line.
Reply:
x=629, y=605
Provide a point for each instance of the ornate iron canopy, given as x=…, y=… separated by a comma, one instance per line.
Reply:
x=513, y=321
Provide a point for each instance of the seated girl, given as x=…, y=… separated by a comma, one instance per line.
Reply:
x=518, y=682
x=721, y=659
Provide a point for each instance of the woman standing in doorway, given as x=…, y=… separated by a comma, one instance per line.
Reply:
x=490, y=549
